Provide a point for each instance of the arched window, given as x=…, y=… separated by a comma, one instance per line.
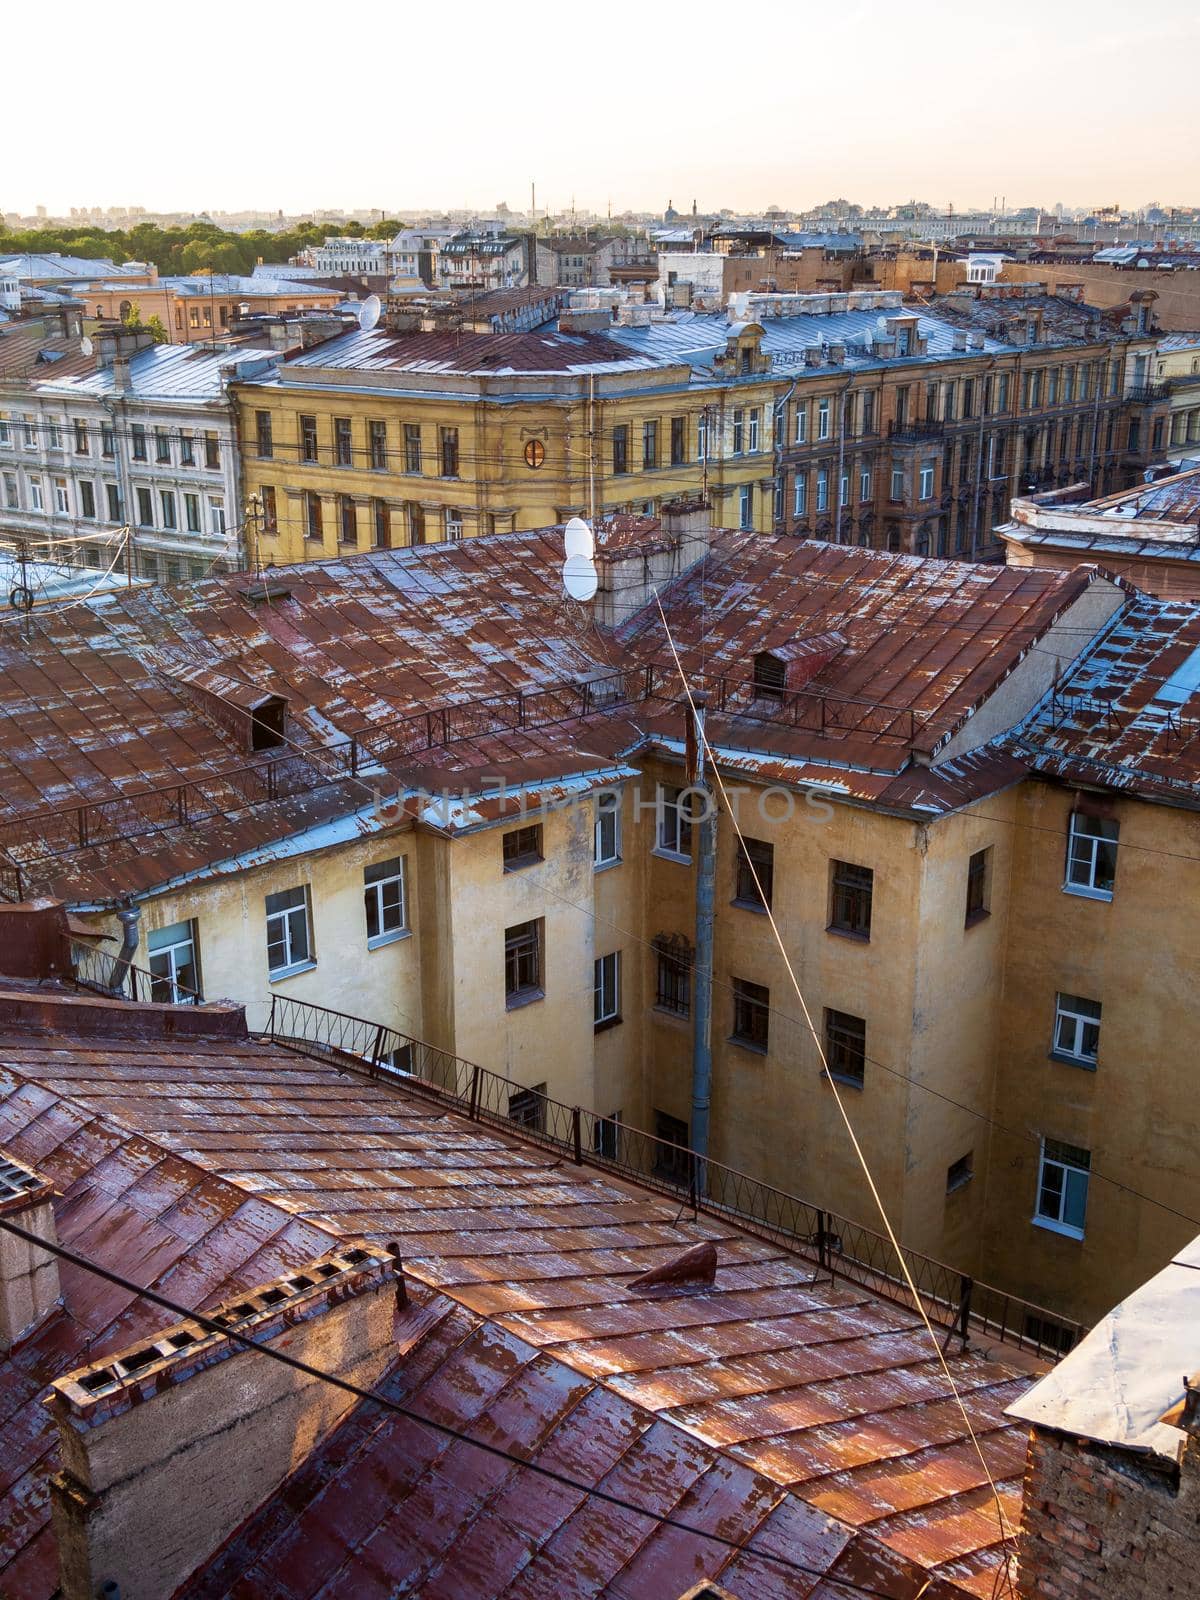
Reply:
x=921, y=544
x=770, y=676
x=124, y=309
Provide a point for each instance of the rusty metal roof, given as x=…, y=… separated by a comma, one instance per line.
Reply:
x=773, y=1380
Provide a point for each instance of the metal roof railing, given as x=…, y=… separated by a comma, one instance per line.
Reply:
x=955, y=1301
x=104, y=972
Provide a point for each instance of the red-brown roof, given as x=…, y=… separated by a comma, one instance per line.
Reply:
x=777, y=1391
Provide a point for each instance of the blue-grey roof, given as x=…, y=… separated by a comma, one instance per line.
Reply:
x=849, y=243
x=53, y=265
x=172, y=372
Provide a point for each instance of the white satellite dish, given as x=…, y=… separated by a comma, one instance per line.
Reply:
x=577, y=539
x=368, y=314
x=86, y=346
x=579, y=577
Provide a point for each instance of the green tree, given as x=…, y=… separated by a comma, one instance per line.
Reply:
x=155, y=326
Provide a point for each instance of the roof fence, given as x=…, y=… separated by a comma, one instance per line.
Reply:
x=956, y=1303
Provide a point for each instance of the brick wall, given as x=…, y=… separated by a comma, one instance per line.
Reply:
x=1099, y=1524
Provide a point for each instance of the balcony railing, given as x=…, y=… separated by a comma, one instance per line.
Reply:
x=954, y=1301
x=913, y=432
x=103, y=972
x=1147, y=393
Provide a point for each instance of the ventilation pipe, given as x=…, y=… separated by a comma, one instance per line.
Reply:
x=704, y=834
x=128, y=915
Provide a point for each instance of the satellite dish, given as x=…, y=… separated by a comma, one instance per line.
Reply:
x=579, y=577
x=577, y=539
x=86, y=346
x=368, y=314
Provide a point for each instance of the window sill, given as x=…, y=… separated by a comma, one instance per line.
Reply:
x=606, y=1023
x=1063, y=1228
x=1087, y=894
x=671, y=855
x=838, y=1077
x=747, y=1045
x=523, y=997
x=1071, y=1061
x=963, y=1183
x=606, y=866
x=281, y=973
x=669, y=1014
x=849, y=933
x=749, y=905
x=392, y=937
x=523, y=863
x=974, y=918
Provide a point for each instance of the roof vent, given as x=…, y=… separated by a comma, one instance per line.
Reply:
x=694, y=1269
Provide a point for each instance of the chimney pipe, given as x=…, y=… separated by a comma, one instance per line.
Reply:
x=128, y=915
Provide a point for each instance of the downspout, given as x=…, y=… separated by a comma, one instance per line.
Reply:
x=841, y=461
x=975, y=530
x=780, y=408
x=705, y=835
x=128, y=915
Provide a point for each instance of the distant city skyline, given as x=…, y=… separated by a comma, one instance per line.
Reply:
x=783, y=105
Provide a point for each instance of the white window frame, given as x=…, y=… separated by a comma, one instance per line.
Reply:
x=746, y=507
x=216, y=514
x=864, y=484
x=391, y=921
x=283, y=917
x=1051, y=1162
x=800, y=495
x=669, y=823
x=822, y=489
x=925, y=481
x=62, y=498
x=170, y=954
x=36, y=496
x=754, y=431
x=606, y=852
x=5, y=429
x=1083, y=855
x=801, y=422
x=702, y=436
x=606, y=988
x=1071, y=1028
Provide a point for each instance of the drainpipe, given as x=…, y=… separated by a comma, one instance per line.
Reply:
x=780, y=409
x=841, y=461
x=128, y=915
x=704, y=833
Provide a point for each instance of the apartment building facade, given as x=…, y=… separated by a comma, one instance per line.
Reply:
x=131, y=463
x=204, y=308
x=457, y=813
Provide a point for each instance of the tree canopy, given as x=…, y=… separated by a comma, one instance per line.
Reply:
x=195, y=248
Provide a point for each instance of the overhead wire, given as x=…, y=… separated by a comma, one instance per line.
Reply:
x=385, y=1402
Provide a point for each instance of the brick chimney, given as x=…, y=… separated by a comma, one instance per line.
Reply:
x=170, y=1445
x=28, y=1275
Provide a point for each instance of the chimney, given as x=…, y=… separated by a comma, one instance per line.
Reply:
x=960, y=339
x=28, y=1275
x=167, y=1447
x=634, y=555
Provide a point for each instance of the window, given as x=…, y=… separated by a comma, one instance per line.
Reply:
x=522, y=847
x=753, y=438
x=673, y=980
x=170, y=517
x=384, y=900
x=265, y=439
x=674, y=834
x=62, y=497
x=289, y=946
x=672, y=1158
x=897, y=491
x=35, y=493
x=1062, y=1188
x=620, y=450
x=606, y=1003
x=822, y=488
x=381, y=520
x=212, y=452
x=191, y=512
x=823, y=413
x=162, y=446
x=137, y=437
x=925, y=491
x=800, y=496
x=112, y=495
x=852, y=890
x=702, y=436
x=751, y=1013
x=377, y=433
x=606, y=1136
x=87, y=499
x=145, y=508
x=606, y=840
x=523, y=962
x=845, y=1046
x=6, y=430
x=81, y=438
x=187, y=450
x=174, y=971
x=1076, y=1029
x=343, y=454
x=527, y=1108
x=649, y=446
x=864, y=483
x=216, y=514
x=678, y=441
x=979, y=873
x=755, y=874
x=452, y=519
x=412, y=448
x=308, y=439
x=449, y=452
x=347, y=519
x=1092, y=855
x=868, y=412
x=844, y=488
x=746, y=506
x=314, y=523
x=959, y=1173
x=802, y=422
x=739, y=432
x=269, y=508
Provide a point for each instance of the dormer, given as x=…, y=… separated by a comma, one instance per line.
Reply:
x=744, y=355
x=256, y=717
x=905, y=332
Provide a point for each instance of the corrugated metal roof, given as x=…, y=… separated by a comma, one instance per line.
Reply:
x=469, y=353
x=169, y=372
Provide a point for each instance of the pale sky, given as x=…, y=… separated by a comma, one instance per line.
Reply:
x=414, y=107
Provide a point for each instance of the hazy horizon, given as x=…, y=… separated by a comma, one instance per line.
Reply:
x=789, y=107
